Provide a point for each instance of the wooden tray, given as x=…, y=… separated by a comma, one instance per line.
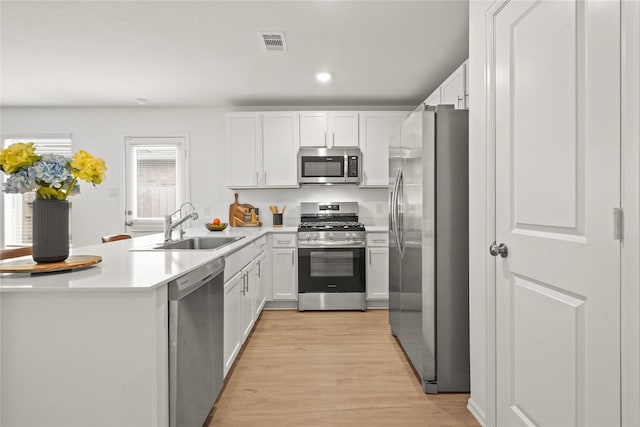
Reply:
x=28, y=265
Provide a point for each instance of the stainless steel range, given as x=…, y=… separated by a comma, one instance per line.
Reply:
x=331, y=257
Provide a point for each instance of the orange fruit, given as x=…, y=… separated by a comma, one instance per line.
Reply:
x=216, y=221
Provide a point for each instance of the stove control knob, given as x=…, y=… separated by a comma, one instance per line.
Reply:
x=331, y=235
x=308, y=236
x=315, y=236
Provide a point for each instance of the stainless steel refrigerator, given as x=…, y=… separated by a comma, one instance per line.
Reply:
x=428, y=254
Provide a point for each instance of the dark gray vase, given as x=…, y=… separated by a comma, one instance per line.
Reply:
x=50, y=230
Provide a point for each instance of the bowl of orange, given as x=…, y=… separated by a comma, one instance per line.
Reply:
x=215, y=225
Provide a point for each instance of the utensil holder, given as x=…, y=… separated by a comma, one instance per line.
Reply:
x=277, y=220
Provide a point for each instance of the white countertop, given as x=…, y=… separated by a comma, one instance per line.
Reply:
x=125, y=269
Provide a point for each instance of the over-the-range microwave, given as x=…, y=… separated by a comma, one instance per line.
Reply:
x=329, y=165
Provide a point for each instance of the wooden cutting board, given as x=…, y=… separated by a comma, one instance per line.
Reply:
x=236, y=212
x=28, y=265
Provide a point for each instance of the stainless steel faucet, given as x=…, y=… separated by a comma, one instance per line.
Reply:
x=170, y=226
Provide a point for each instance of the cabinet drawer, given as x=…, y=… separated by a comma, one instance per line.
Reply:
x=261, y=244
x=284, y=240
x=378, y=239
x=237, y=260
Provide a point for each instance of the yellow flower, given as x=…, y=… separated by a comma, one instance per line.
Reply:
x=87, y=167
x=17, y=156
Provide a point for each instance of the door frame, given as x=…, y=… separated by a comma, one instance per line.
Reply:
x=630, y=202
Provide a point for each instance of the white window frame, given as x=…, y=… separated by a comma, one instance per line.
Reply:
x=138, y=226
x=25, y=137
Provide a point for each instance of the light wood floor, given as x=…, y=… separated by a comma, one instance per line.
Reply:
x=330, y=369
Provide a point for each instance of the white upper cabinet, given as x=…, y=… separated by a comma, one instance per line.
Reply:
x=453, y=89
x=466, y=84
x=343, y=127
x=329, y=129
x=376, y=128
x=280, y=143
x=244, y=146
x=313, y=129
x=434, y=98
x=262, y=149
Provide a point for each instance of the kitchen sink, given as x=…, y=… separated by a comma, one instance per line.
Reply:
x=194, y=243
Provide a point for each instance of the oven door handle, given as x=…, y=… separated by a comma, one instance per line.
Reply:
x=329, y=244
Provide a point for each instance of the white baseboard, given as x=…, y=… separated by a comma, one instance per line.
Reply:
x=477, y=413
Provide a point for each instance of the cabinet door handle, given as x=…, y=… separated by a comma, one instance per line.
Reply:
x=369, y=256
x=247, y=289
x=257, y=181
x=259, y=269
x=265, y=178
x=293, y=262
x=325, y=137
x=459, y=99
x=333, y=139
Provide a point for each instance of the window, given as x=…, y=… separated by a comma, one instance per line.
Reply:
x=18, y=208
x=155, y=179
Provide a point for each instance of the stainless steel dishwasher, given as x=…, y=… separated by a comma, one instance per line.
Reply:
x=195, y=343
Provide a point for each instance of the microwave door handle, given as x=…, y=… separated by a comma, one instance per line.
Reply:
x=345, y=165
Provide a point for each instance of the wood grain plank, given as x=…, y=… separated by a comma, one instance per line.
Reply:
x=330, y=369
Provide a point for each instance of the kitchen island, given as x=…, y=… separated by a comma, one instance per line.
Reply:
x=90, y=347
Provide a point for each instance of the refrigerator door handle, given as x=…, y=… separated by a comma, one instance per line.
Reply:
x=394, y=209
x=400, y=213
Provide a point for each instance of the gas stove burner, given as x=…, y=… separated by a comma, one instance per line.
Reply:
x=332, y=225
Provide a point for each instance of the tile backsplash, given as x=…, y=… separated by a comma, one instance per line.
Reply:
x=373, y=205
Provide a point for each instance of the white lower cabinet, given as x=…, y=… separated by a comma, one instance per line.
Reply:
x=377, y=266
x=285, y=267
x=232, y=300
x=244, y=299
x=259, y=296
x=247, y=298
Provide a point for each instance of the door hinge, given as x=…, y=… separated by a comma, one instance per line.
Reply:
x=618, y=230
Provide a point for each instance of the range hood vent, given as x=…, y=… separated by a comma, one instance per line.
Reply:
x=273, y=41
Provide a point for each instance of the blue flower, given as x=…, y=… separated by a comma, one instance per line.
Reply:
x=52, y=169
x=20, y=182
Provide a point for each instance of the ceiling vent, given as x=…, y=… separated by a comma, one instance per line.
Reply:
x=273, y=42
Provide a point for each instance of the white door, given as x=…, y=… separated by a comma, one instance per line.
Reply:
x=246, y=302
x=557, y=140
x=280, y=144
x=377, y=273
x=375, y=131
x=243, y=137
x=313, y=129
x=344, y=129
x=284, y=274
x=231, y=321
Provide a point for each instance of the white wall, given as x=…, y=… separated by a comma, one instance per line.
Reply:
x=101, y=131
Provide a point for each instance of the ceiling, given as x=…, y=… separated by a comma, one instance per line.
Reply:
x=209, y=53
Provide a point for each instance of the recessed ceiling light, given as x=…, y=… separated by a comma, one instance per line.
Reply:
x=141, y=101
x=323, y=77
